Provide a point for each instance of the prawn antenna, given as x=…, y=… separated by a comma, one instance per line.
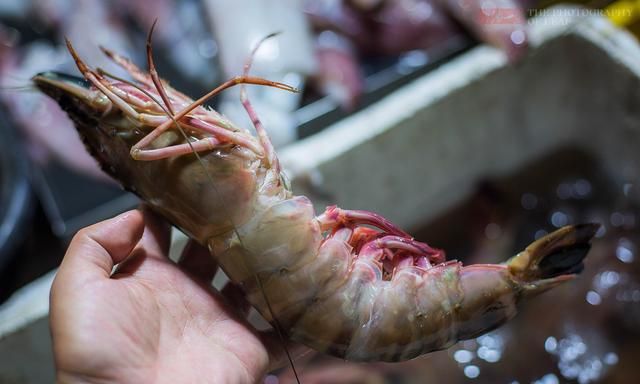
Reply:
x=19, y=88
x=18, y=84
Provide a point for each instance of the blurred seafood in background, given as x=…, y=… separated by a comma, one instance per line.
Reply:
x=394, y=26
x=353, y=30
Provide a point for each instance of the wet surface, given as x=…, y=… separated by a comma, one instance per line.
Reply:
x=585, y=331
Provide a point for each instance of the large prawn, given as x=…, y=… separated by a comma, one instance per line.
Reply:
x=348, y=283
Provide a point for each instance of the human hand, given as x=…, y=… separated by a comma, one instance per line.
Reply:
x=149, y=320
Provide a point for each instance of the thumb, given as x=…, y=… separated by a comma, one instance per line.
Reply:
x=94, y=250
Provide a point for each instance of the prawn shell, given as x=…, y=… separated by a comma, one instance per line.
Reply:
x=281, y=234
x=413, y=314
x=292, y=292
x=186, y=194
x=330, y=323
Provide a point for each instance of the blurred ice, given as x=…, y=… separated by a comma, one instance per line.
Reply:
x=581, y=189
x=559, y=219
x=488, y=348
x=550, y=344
x=625, y=250
x=463, y=356
x=471, y=371
x=549, y=378
x=539, y=233
x=605, y=280
x=577, y=360
x=593, y=298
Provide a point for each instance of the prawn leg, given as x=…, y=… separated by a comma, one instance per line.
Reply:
x=335, y=218
x=238, y=80
x=138, y=149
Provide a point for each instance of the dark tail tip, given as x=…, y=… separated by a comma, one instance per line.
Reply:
x=567, y=259
x=554, y=258
x=563, y=262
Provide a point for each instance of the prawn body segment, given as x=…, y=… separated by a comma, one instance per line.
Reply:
x=349, y=283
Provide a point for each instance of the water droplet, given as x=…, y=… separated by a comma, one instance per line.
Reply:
x=611, y=358
x=570, y=348
x=549, y=378
x=540, y=233
x=559, y=219
x=550, y=344
x=617, y=219
x=489, y=355
x=605, y=280
x=517, y=37
x=582, y=188
x=569, y=370
x=624, y=251
x=578, y=362
x=593, y=298
x=491, y=340
x=463, y=356
x=471, y=371
x=529, y=201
